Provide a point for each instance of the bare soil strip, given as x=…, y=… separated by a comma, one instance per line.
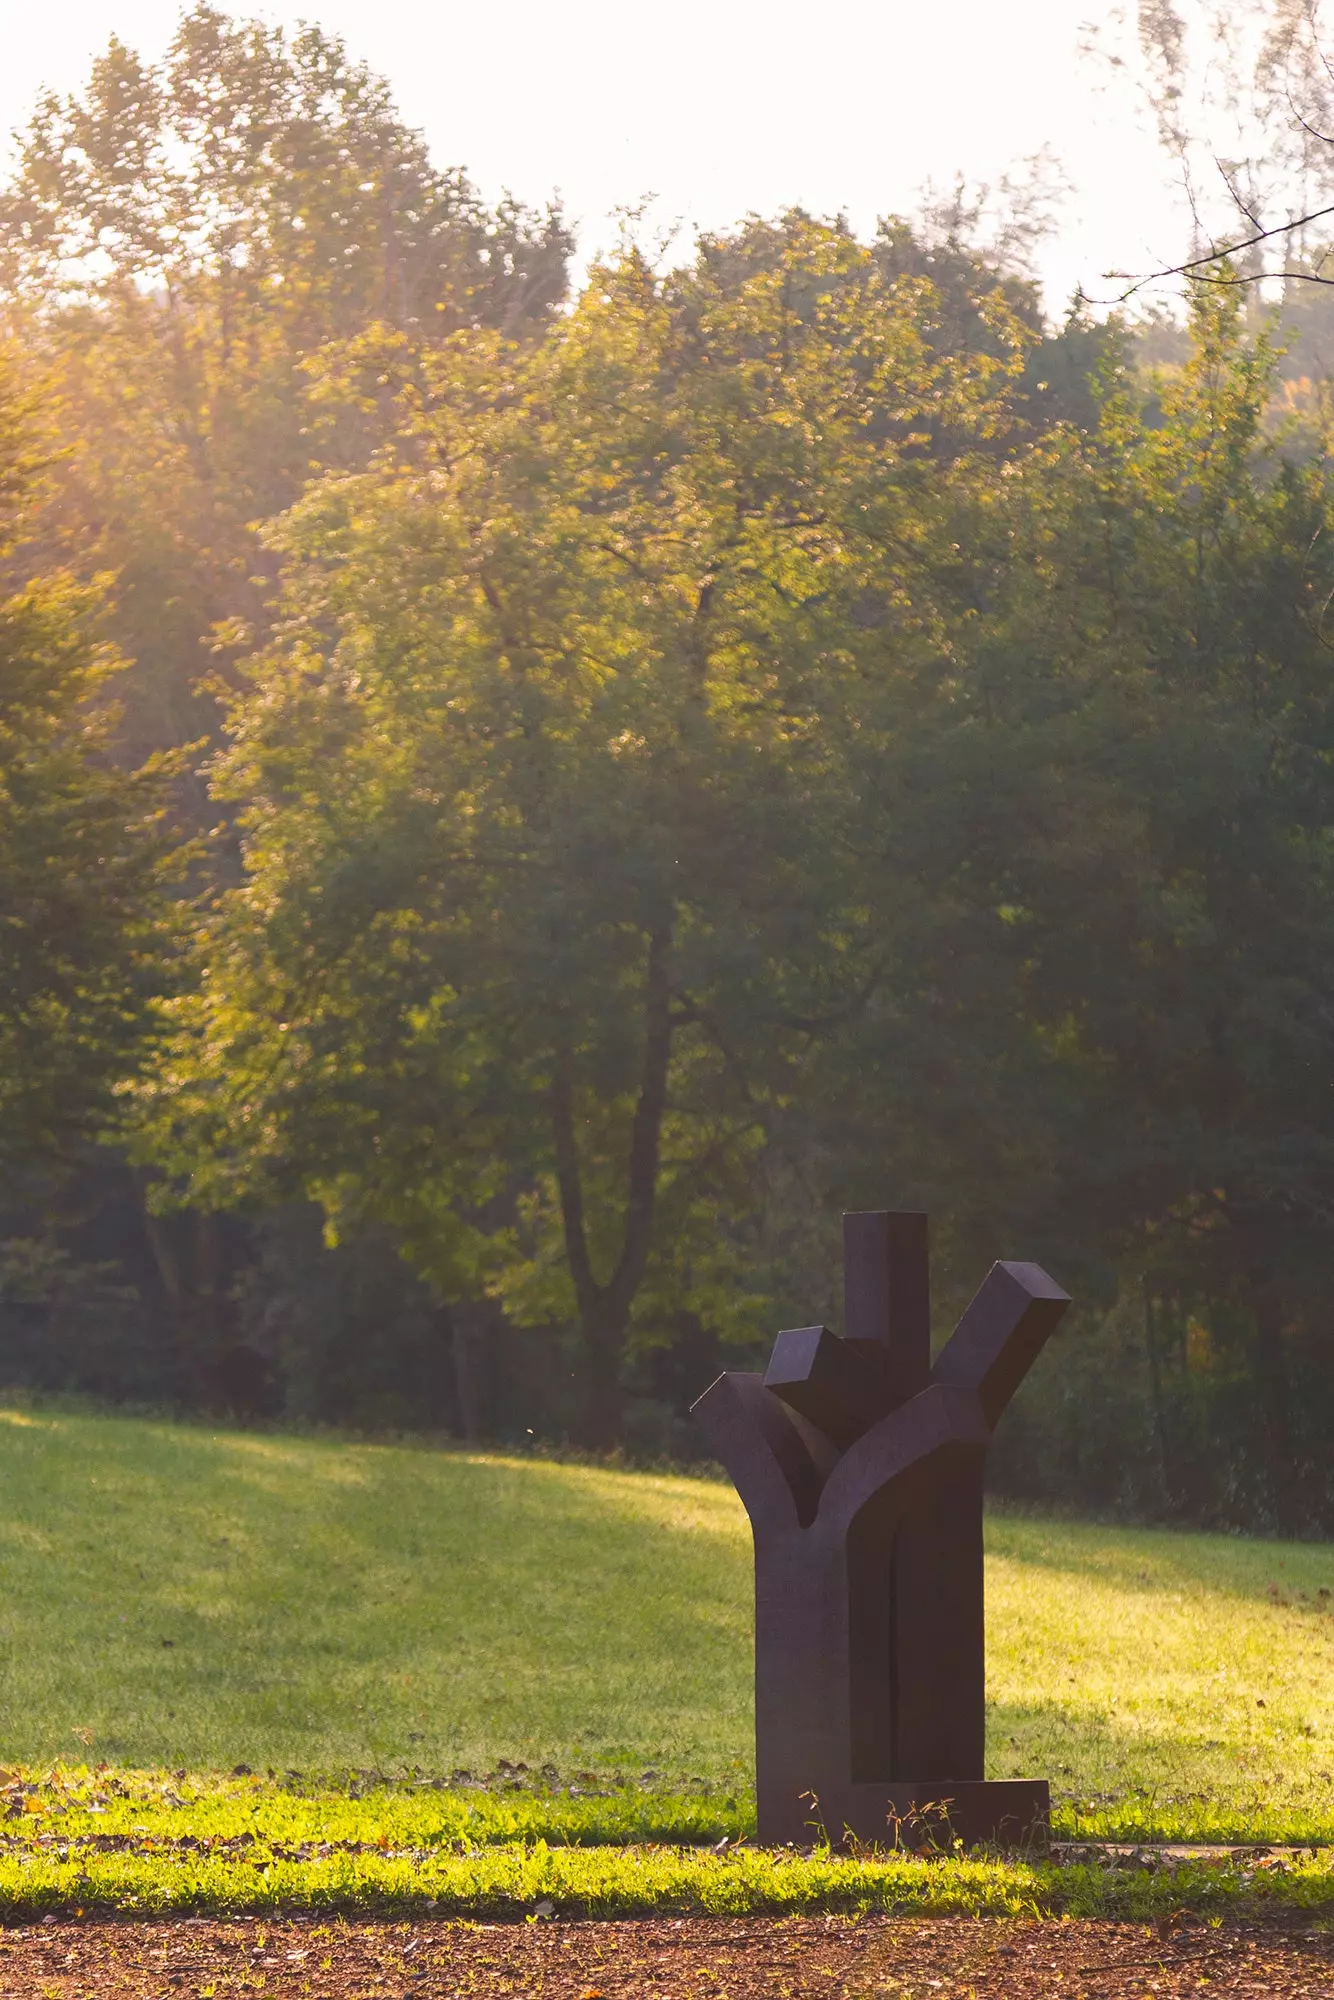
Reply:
x=876, y=1958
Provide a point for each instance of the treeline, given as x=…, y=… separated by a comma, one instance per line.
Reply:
x=516, y=807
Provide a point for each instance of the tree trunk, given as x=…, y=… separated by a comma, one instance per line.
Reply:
x=207, y=1329
x=469, y=1336
x=193, y=1288
x=1156, y=1386
x=166, y=1261
x=1259, y=1243
x=1269, y=1366
x=604, y=1309
x=604, y=1398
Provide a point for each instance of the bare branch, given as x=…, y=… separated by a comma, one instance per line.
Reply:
x=1194, y=265
x=1229, y=182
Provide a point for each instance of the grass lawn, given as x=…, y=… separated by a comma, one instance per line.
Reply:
x=184, y=1601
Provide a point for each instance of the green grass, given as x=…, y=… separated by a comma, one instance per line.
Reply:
x=1169, y=1684
x=206, y=1599
x=93, y=1841
x=336, y=1608
x=537, y=1881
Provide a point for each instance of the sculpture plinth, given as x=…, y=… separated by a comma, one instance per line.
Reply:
x=860, y=1465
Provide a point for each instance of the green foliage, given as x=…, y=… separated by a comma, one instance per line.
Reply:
x=545, y=787
x=254, y=181
x=177, y=242
x=82, y=851
x=729, y=759
x=1104, y=1036
x=181, y=246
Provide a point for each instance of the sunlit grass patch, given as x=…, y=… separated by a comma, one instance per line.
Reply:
x=533, y=1880
x=43, y=1811
x=138, y=1843
x=1168, y=1684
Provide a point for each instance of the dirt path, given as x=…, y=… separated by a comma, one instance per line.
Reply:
x=706, y=1959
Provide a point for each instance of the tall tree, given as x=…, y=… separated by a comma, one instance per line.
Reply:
x=84, y=849
x=1111, y=1027
x=176, y=243
x=181, y=244
x=545, y=785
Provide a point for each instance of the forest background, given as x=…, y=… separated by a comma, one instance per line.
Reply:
x=520, y=800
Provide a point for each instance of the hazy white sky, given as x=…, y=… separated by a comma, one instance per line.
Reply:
x=716, y=106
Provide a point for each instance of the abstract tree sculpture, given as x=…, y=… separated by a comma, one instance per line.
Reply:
x=860, y=1465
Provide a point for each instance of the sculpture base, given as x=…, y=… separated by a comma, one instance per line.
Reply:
x=918, y=1813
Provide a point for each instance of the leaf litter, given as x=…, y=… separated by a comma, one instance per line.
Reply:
x=795, y=1958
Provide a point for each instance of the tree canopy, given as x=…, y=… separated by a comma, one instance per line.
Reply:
x=177, y=245
x=545, y=785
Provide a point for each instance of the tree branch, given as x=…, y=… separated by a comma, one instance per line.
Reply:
x=1216, y=256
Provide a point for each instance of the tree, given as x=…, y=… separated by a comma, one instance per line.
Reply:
x=545, y=783
x=181, y=246
x=175, y=245
x=84, y=852
x=1116, y=1037
x=1242, y=104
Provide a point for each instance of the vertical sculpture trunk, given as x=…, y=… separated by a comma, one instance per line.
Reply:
x=861, y=1467
x=935, y=1642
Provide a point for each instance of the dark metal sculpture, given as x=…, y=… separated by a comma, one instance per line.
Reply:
x=860, y=1466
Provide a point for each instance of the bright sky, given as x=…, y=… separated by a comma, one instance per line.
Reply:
x=717, y=107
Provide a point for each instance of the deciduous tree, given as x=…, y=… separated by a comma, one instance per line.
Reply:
x=550, y=783
x=176, y=243
x=83, y=851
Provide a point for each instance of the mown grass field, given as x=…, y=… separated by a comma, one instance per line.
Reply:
x=182, y=1601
